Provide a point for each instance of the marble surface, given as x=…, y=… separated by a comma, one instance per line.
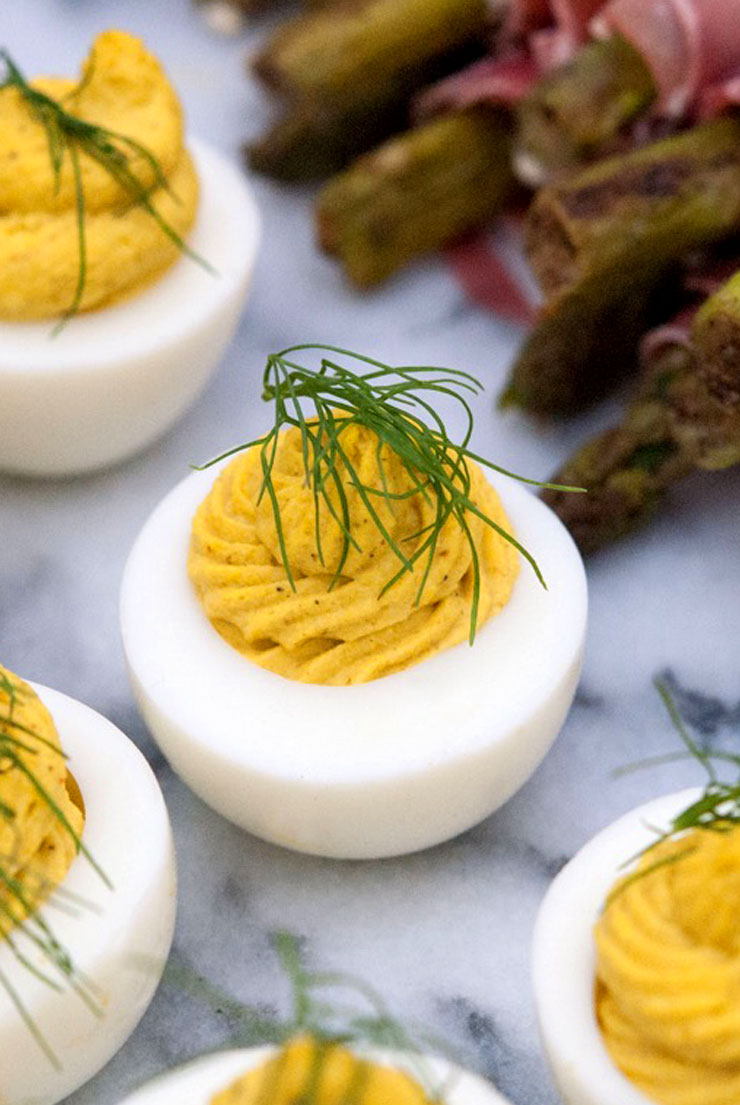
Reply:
x=445, y=934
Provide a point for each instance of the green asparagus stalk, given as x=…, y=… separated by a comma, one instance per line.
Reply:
x=603, y=242
x=415, y=193
x=348, y=73
x=367, y=51
x=576, y=113
x=717, y=339
x=314, y=141
x=680, y=422
x=626, y=470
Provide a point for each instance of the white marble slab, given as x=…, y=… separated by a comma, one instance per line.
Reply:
x=444, y=935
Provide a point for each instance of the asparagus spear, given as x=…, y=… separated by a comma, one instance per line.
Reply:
x=603, y=242
x=348, y=73
x=679, y=423
x=626, y=469
x=365, y=51
x=313, y=141
x=717, y=338
x=576, y=113
x=415, y=193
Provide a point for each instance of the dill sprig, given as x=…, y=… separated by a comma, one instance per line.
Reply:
x=397, y=404
x=331, y=1007
x=717, y=809
x=23, y=928
x=68, y=135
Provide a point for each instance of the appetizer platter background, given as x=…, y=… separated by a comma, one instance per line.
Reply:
x=444, y=935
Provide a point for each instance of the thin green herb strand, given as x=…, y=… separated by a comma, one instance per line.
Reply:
x=66, y=132
x=716, y=810
x=393, y=404
x=30, y=923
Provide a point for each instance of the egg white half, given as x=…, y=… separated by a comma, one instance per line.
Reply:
x=120, y=943
x=378, y=769
x=114, y=380
x=564, y=957
x=198, y=1082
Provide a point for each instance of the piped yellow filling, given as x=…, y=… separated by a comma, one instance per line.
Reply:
x=36, y=847
x=353, y=630
x=124, y=89
x=668, y=989
x=315, y=1073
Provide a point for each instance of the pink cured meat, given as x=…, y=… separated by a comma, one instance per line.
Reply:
x=572, y=16
x=485, y=266
x=524, y=15
x=554, y=28
x=700, y=281
x=690, y=45
x=505, y=80
x=719, y=97
x=670, y=334
x=569, y=29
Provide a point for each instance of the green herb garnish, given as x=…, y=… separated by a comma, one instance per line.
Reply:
x=332, y=1007
x=716, y=810
x=26, y=925
x=70, y=136
x=395, y=403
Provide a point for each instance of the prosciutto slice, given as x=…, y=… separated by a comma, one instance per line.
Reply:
x=690, y=45
x=719, y=97
x=538, y=35
x=524, y=16
x=670, y=334
x=490, y=268
x=570, y=21
x=702, y=279
x=505, y=81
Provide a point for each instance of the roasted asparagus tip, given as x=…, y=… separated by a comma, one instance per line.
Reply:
x=415, y=193
x=717, y=340
x=576, y=113
x=603, y=244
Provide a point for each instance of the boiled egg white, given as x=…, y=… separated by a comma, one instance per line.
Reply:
x=564, y=957
x=118, y=937
x=113, y=380
x=378, y=769
x=198, y=1082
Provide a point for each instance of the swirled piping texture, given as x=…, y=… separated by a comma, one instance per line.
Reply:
x=36, y=850
x=322, y=1074
x=353, y=631
x=124, y=89
x=668, y=990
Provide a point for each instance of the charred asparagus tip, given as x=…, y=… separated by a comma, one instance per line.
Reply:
x=417, y=192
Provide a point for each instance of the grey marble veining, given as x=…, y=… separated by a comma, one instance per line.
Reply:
x=444, y=934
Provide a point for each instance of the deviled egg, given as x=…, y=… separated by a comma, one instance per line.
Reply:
x=229, y=666
x=384, y=1077
x=84, y=931
x=144, y=239
x=635, y=969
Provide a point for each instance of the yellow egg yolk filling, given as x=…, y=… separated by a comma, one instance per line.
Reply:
x=668, y=977
x=314, y=1073
x=36, y=847
x=123, y=89
x=353, y=631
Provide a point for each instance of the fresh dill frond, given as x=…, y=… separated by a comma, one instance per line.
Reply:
x=717, y=809
x=330, y=1007
x=68, y=135
x=24, y=928
x=398, y=405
